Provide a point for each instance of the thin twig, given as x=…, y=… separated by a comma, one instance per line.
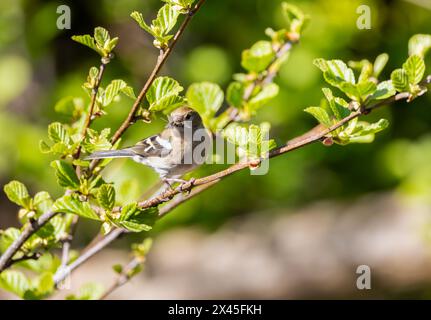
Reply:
x=163, y=56
x=67, y=243
x=62, y=273
x=33, y=256
x=28, y=231
x=123, y=277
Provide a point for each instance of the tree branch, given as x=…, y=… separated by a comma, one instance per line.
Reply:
x=29, y=230
x=317, y=133
x=163, y=56
x=123, y=277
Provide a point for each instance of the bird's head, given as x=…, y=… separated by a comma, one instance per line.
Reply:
x=184, y=117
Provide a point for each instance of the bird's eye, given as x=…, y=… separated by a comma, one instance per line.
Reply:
x=188, y=116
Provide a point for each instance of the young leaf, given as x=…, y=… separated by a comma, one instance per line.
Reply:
x=101, y=36
x=135, y=219
x=106, y=196
x=206, y=98
x=7, y=237
x=268, y=92
x=88, y=41
x=17, y=193
x=419, y=44
x=69, y=204
x=338, y=107
x=415, y=69
x=163, y=95
x=42, y=201
x=295, y=18
x=335, y=71
x=379, y=64
x=385, y=89
x=252, y=140
x=166, y=19
x=400, y=80
x=181, y=6
x=58, y=133
x=235, y=94
x=89, y=291
x=320, y=114
x=15, y=282
x=258, y=57
x=66, y=176
x=112, y=90
x=161, y=26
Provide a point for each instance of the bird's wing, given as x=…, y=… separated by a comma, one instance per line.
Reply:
x=154, y=146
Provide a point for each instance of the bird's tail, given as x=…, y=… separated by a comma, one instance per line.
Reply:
x=124, y=153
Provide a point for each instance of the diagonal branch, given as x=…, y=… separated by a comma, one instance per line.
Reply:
x=317, y=133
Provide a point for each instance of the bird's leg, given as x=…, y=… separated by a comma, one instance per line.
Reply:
x=188, y=190
x=170, y=181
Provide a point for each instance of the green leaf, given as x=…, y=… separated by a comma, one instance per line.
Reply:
x=206, y=98
x=135, y=219
x=66, y=175
x=137, y=16
x=335, y=72
x=419, y=44
x=43, y=284
x=17, y=193
x=42, y=201
x=118, y=268
x=400, y=80
x=15, y=282
x=101, y=42
x=235, y=94
x=112, y=91
x=360, y=132
x=69, y=106
x=89, y=291
x=268, y=93
x=7, y=237
x=339, y=108
x=295, y=18
x=415, y=69
x=385, y=89
x=58, y=133
x=320, y=114
x=128, y=91
x=88, y=41
x=258, y=57
x=252, y=141
x=96, y=141
x=364, y=66
x=180, y=5
x=142, y=249
x=166, y=19
x=379, y=64
x=365, y=88
x=101, y=36
x=163, y=95
x=106, y=196
x=69, y=204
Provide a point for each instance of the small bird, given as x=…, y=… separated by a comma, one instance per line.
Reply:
x=170, y=153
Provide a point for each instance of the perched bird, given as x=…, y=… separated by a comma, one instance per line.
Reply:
x=170, y=153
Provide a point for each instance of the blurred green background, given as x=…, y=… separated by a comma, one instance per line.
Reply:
x=39, y=65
